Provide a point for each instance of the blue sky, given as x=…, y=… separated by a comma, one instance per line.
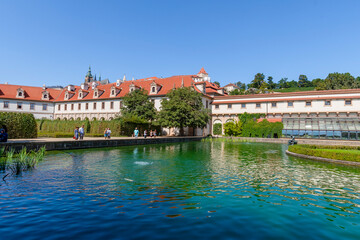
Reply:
x=54, y=42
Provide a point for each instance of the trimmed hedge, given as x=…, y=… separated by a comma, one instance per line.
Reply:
x=328, y=152
x=96, y=128
x=19, y=125
x=217, y=129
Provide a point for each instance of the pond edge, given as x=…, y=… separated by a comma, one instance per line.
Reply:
x=323, y=159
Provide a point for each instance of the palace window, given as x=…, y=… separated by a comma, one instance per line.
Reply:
x=113, y=92
x=19, y=105
x=32, y=106
x=59, y=107
x=95, y=94
x=348, y=102
x=216, y=106
x=94, y=105
x=243, y=105
x=290, y=104
x=229, y=105
x=207, y=104
x=6, y=104
x=86, y=106
x=273, y=104
x=308, y=103
x=79, y=106
x=65, y=107
x=153, y=89
x=72, y=107
x=258, y=105
x=103, y=105
x=327, y=103
x=20, y=94
x=112, y=105
x=44, y=107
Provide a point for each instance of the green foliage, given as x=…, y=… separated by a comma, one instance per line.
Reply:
x=295, y=89
x=19, y=125
x=304, y=82
x=183, y=107
x=23, y=160
x=217, y=129
x=123, y=126
x=340, y=81
x=236, y=92
x=247, y=126
x=233, y=128
x=259, y=81
x=344, y=153
x=137, y=103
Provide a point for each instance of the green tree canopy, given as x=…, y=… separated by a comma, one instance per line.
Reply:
x=340, y=81
x=304, y=82
x=137, y=103
x=183, y=107
x=258, y=81
x=271, y=83
x=236, y=92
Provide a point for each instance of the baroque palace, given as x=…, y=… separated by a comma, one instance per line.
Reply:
x=315, y=114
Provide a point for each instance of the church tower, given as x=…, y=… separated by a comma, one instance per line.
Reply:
x=89, y=77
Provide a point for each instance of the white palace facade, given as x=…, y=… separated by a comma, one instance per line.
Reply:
x=316, y=114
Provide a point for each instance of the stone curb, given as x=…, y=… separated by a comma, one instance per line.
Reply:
x=323, y=159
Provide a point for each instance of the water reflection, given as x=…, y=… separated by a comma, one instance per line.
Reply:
x=252, y=185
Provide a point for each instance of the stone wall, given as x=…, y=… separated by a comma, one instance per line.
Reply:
x=101, y=143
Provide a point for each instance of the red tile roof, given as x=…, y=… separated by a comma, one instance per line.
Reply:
x=202, y=70
x=8, y=91
x=272, y=120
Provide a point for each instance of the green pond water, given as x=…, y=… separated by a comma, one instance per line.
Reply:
x=195, y=190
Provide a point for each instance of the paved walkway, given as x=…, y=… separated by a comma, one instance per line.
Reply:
x=46, y=139
x=270, y=140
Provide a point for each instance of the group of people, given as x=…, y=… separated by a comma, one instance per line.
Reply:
x=79, y=133
x=3, y=134
x=152, y=133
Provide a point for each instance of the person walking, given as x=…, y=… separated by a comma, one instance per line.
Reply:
x=145, y=133
x=154, y=133
x=76, y=133
x=82, y=132
x=136, y=133
x=105, y=133
x=151, y=133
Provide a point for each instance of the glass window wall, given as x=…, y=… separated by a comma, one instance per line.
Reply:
x=330, y=128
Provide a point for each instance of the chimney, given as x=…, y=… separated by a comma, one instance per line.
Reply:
x=71, y=88
x=84, y=86
x=44, y=87
x=119, y=82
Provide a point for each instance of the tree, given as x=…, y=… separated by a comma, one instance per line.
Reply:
x=283, y=83
x=235, y=92
x=340, y=81
x=217, y=83
x=183, y=107
x=232, y=128
x=271, y=83
x=318, y=83
x=258, y=81
x=217, y=129
x=137, y=103
x=303, y=81
x=241, y=85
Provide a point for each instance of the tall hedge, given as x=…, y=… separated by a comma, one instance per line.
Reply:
x=217, y=129
x=19, y=125
x=119, y=127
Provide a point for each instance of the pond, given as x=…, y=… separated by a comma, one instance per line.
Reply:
x=209, y=190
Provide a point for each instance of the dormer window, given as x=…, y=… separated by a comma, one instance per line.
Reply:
x=153, y=89
x=112, y=92
x=20, y=93
x=45, y=95
x=96, y=93
x=80, y=95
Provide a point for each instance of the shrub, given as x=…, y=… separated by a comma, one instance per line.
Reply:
x=19, y=125
x=232, y=128
x=217, y=129
x=328, y=152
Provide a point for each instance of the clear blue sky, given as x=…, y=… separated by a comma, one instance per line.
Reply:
x=54, y=42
